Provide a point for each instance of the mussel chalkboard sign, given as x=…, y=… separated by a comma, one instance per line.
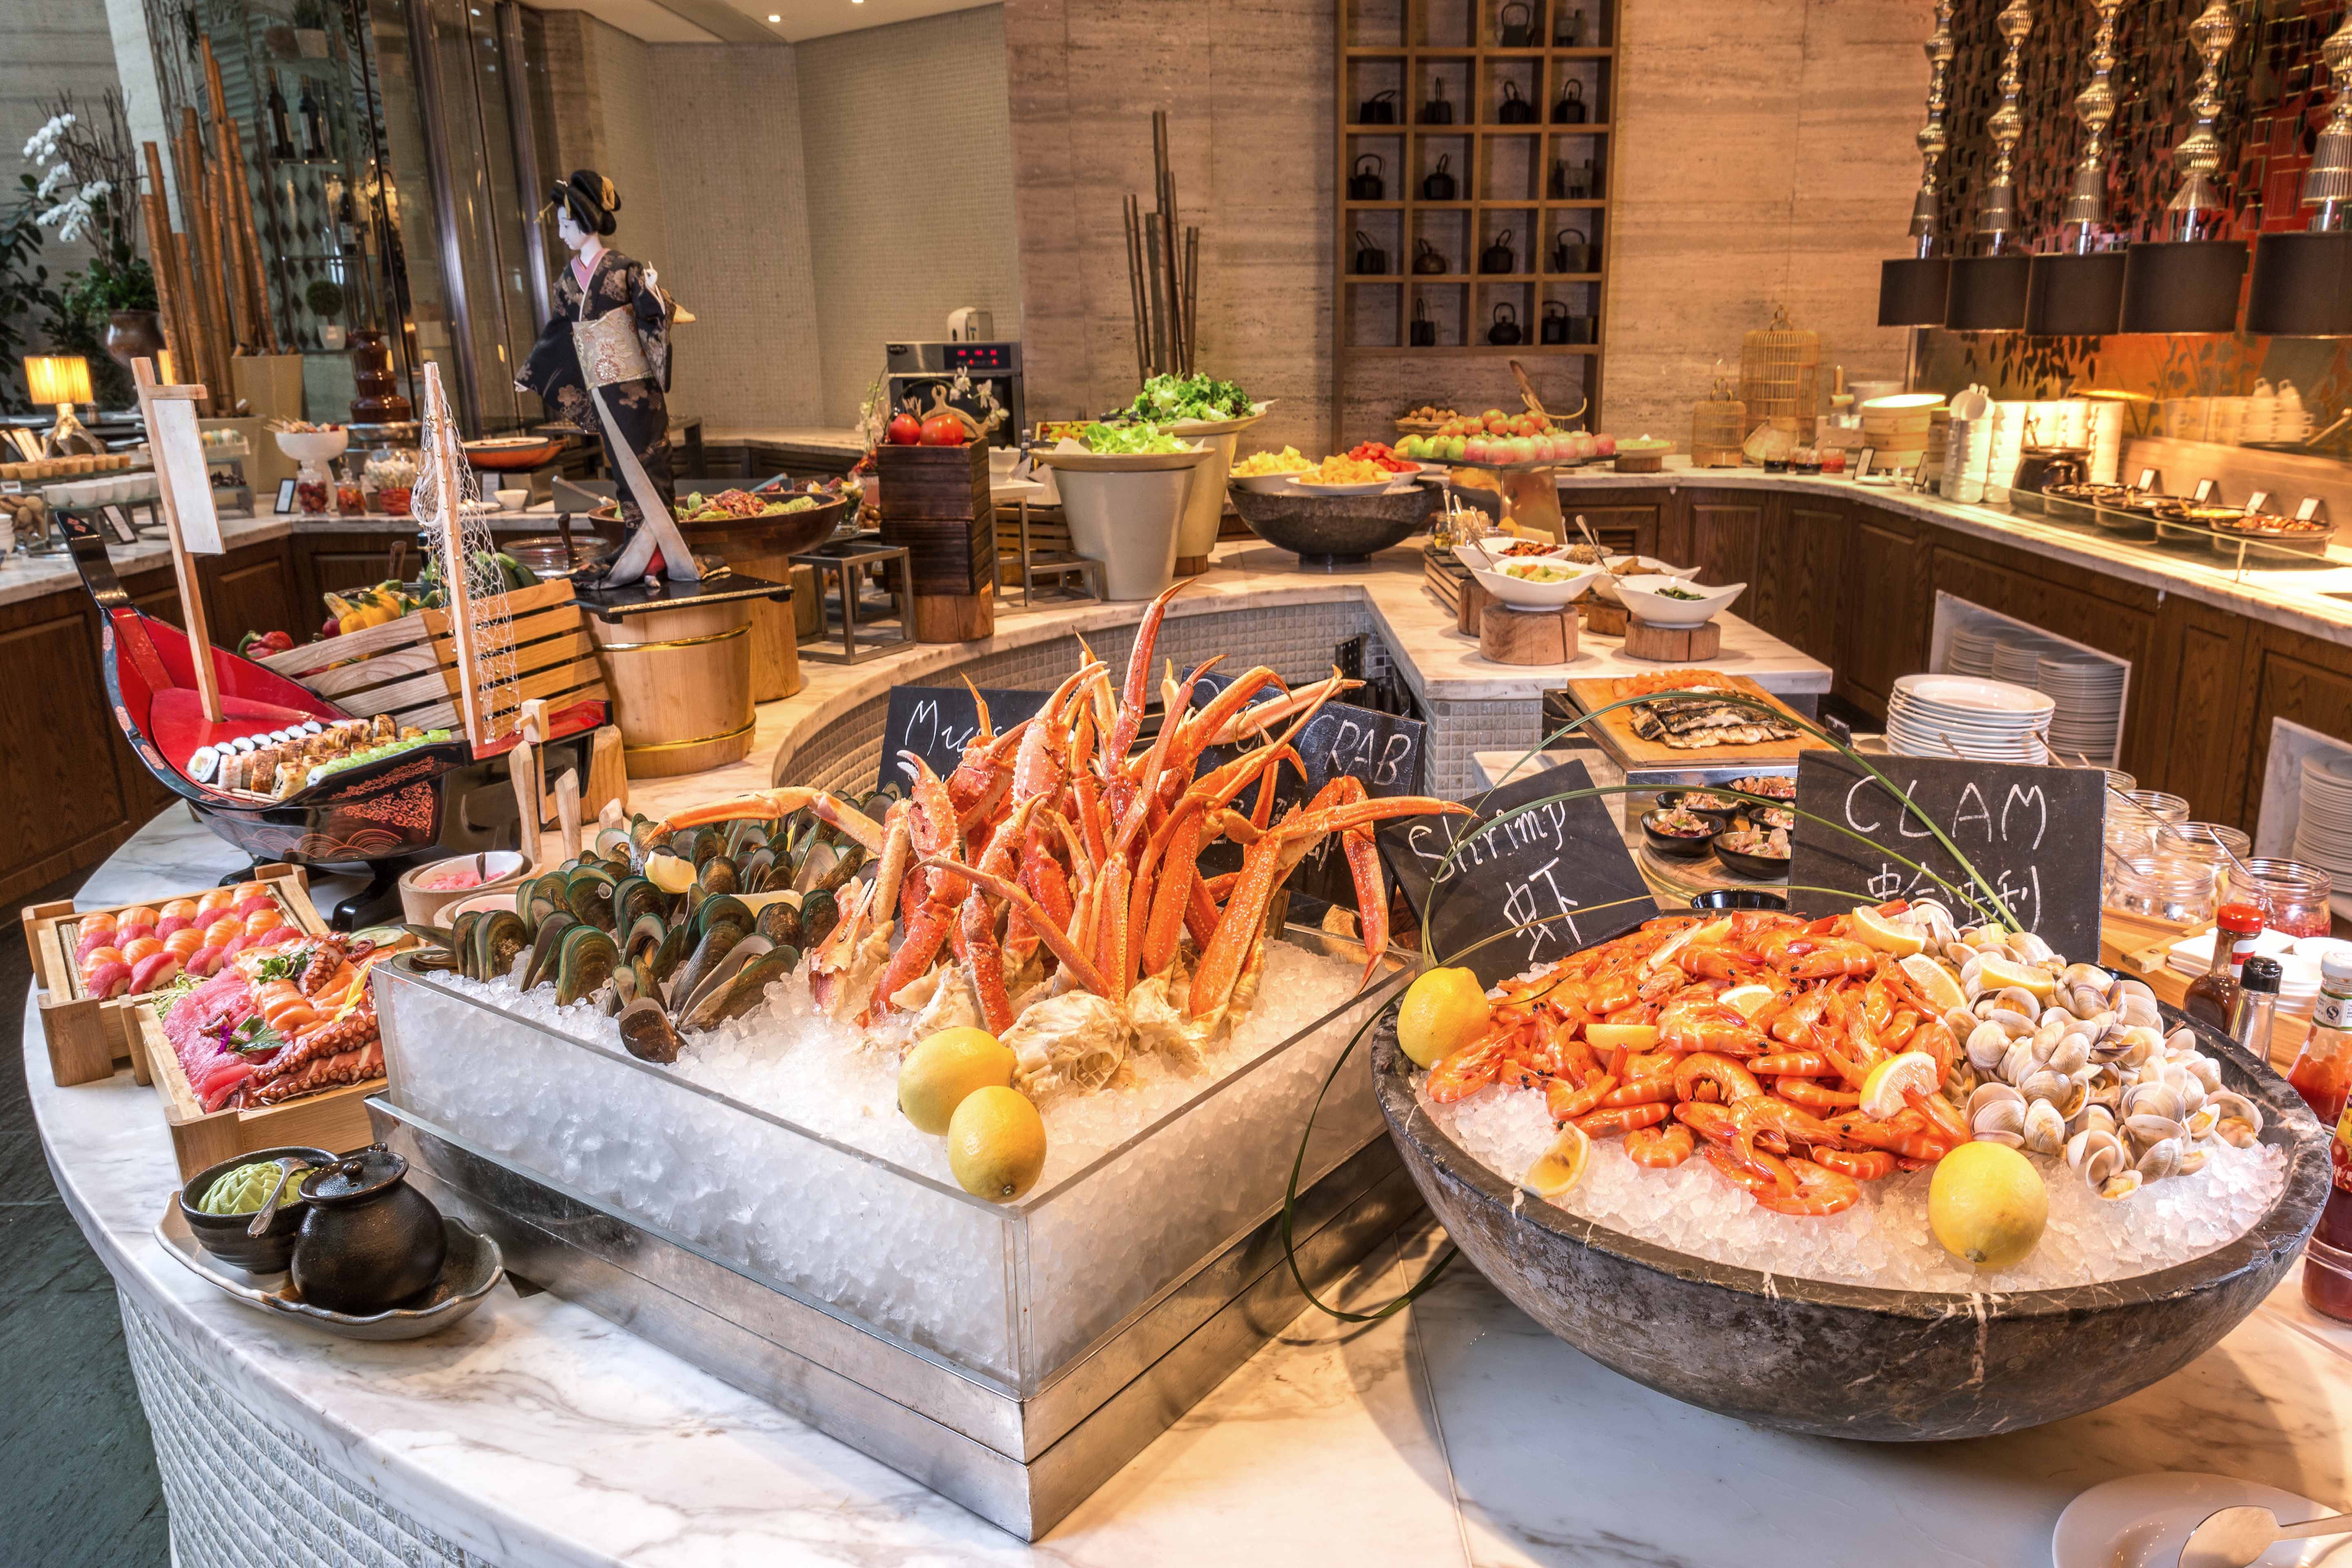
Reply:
x=2034, y=833
x=935, y=721
x=1552, y=864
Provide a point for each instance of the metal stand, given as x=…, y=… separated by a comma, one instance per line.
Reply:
x=843, y=558
x=1059, y=566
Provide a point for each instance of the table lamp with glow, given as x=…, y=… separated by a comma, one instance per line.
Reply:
x=62, y=380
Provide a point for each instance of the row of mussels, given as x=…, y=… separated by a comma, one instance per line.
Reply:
x=692, y=939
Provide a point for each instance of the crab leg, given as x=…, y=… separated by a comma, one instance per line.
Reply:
x=762, y=805
x=1081, y=967
x=932, y=826
x=1257, y=719
x=1138, y=673
x=1363, y=870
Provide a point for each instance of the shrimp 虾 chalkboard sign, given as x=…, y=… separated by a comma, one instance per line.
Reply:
x=1562, y=863
x=2035, y=834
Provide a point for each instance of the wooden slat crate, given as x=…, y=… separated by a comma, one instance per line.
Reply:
x=408, y=668
x=935, y=501
x=88, y=1035
x=332, y=1119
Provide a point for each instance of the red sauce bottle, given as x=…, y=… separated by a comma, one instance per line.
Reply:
x=2327, y=1261
x=2322, y=1072
x=2209, y=996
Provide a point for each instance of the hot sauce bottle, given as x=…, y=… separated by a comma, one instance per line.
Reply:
x=2209, y=996
x=2322, y=1073
x=2327, y=1261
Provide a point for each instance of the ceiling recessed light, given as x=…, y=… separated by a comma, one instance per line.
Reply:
x=773, y=17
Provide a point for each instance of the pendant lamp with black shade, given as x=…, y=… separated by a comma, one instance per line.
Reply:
x=1911, y=288
x=1988, y=291
x=2080, y=293
x=2190, y=284
x=2303, y=282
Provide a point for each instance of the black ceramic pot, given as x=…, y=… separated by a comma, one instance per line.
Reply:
x=370, y=1240
x=1681, y=847
x=224, y=1235
x=1847, y=1360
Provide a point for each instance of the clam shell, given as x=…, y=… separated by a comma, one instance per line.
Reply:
x=2087, y=975
x=1988, y=1044
x=2093, y=1118
x=2161, y=1159
x=2017, y=1063
x=2145, y=1130
x=2072, y=1054
x=2238, y=1120
x=2045, y=1128
x=2207, y=1072
x=2140, y=1010
x=2122, y=1185
x=1994, y=1094
x=2028, y=948
x=2044, y=1085
x=2012, y=1021
x=2153, y=1099
x=2192, y=1161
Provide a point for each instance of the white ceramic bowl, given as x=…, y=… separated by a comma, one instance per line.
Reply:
x=1522, y=595
x=1641, y=595
x=1471, y=556
x=1636, y=566
x=1266, y=484
x=512, y=500
x=1371, y=487
x=313, y=446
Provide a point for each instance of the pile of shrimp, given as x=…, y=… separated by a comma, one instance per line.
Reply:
x=1745, y=1039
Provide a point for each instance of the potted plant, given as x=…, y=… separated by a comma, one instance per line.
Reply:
x=89, y=180
x=325, y=298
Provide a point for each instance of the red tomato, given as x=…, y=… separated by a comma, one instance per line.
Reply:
x=943, y=430
x=905, y=430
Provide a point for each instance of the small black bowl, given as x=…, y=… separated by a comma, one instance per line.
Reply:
x=1721, y=815
x=1758, y=868
x=1738, y=898
x=223, y=1235
x=1674, y=844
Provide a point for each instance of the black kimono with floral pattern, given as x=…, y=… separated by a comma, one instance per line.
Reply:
x=639, y=408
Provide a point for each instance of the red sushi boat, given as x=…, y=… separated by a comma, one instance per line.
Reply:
x=374, y=812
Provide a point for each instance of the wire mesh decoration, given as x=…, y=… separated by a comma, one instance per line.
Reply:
x=447, y=503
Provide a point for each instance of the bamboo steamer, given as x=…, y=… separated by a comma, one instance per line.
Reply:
x=1903, y=425
x=680, y=682
x=1780, y=375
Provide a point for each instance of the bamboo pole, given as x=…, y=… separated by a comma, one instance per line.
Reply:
x=249, y=240
x=211, y=287
x=159, y=257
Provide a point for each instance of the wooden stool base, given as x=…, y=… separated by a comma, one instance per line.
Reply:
x=1603, y=618
x=1470, y=606
x=1527, y=636
x=1672, y=643
x=956, y=618
x=1191, y=565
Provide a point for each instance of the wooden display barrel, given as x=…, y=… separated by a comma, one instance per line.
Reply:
x=680, y=682
x=763, y=547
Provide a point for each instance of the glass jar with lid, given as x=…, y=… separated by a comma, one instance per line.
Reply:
x=2292, y=893
x=2212, y=843
x=2161, y=888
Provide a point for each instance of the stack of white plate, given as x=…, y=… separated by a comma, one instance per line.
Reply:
x=1991, y=720
x=2017, y=658
x=2322, y=830
x=2090, y=697
x=1970, y=652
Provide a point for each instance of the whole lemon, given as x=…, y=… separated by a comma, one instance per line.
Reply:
x=940, y=1072
x=1987, y=1205
x=1444, y=1010
x=996, y=1143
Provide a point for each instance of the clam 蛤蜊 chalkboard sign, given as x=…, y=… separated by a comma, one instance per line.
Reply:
x=934, y=723
x=1563, y=863
x=2034, y=833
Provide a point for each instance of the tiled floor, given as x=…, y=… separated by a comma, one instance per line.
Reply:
x=80, y=1483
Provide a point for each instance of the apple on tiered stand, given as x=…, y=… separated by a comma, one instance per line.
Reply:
x=1494, y=439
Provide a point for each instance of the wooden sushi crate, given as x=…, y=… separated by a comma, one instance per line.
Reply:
x=1613, y=732
x=88, y=1035
x=408, y=668
x=332, y=1119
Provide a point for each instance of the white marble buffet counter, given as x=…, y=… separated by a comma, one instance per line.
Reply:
x=1457, y=1432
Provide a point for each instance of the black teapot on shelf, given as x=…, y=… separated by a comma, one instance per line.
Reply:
x=1427, y=260
x=1569, y=110
x=1515, y=32
x=1500, y=256
x=1369, y=258
x=1571, y=256
x=1553, y=328
x=1572, y=182
x=1514, y=110
x=1440, y=184
x=1366, y=185
x=1378, y=110
x=1423, y=331
x=1439, y=109
x=1568, y=29
x=1505, y=331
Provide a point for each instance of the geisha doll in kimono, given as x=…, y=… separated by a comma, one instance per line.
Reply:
x=602, y=365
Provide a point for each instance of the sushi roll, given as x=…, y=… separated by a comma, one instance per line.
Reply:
x=312, y=727
x=204, y=765
x=242, y=744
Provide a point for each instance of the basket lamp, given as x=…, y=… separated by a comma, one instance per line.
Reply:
x=1911, y=288
x=2303, y=282
x=2190, y=284
x=1988, y=291
x=62, y=381
x=2080, y=293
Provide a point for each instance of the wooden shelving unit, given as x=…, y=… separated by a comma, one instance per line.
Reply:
x=1509, y=177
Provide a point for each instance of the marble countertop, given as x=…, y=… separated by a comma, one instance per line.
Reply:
x=1456, y=1432
x=2295, y=598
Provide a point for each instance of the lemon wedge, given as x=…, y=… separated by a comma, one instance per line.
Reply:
x=1747, y=1000
x=1996, y=973
x=1885, y=934
x=1558, y=1168
x=1883, y=1087
x=668, y=872
x=1622, y=1036
x=1935, y=982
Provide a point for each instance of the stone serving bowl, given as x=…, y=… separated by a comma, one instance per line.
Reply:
x=1847, y=1360
x=1326, y=531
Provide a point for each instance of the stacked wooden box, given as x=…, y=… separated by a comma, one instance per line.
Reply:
x=934, y=502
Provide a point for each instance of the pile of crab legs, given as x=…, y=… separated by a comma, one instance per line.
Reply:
x=1770, y=1095
x=1057, y=849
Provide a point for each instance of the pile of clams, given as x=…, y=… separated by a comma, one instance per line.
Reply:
x=664, y=962
x=2077, y=1063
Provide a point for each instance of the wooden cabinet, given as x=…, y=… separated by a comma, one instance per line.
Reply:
x=62, y=801
x=1800, y=572
x=248, y=590
x=1626, y=529
x=2188, y=700
x=1721, y=535
x=1887, y=607
x=2285, y=674
x=338, y=563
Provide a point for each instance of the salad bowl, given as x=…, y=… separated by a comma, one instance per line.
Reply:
x=1520, y=593
x=1659, y=600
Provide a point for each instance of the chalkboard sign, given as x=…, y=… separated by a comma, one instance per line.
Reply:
x=2034, y=833
x=934, y=723
x=1556, y=859
x=1383, y=750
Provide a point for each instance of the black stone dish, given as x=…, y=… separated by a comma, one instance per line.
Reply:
x=370, y=1240
x=1720, y=816
x=1755, y=868
x=1325, y=532
x=1738, y=898
x=473, y=1266
x=224, y=1235
x=1848, y=1361
x=1675, y=844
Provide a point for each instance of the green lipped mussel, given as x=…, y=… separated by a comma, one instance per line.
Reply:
x=585, y=960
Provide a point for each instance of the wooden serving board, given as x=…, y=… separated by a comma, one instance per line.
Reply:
x=1613, y=732
x=87, y=1034
x=332, y=1119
